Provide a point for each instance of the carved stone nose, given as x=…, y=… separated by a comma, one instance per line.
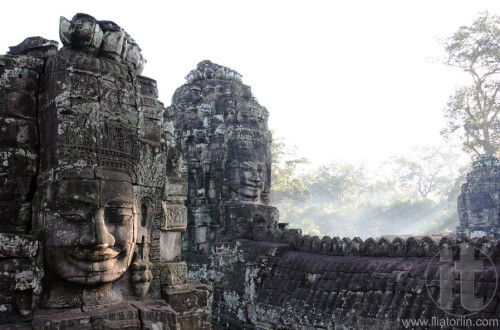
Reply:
x=103, y=237
x=255, y=177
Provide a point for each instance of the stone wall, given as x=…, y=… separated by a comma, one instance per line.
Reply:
x=20, y=252
x=289, y=281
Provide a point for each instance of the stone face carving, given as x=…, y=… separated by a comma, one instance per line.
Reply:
x=101, y=184
x=222, y=133
x=479, y=201
x=91, y=233
x=248, y=180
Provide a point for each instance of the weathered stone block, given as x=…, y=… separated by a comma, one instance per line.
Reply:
x=151, y=129
x=14, y=189
x=17, y=246
x=175, y=186
x=148, y=87
x=18, y=79
x=22, y=61
x=121, y=114
x=200, y=320
x=173, y=273
x=170, y=246
x=61, y=319
x=18, y=161
x=174, y=217
x=15, y=217
x=188, y=300
x=201, y=235
x=77, y=86
x=17, y=326
x=17, y=104
x=259, y=232
x=157, y=314
x=121, y=316
x=16, y=132
x=108, y=89
x=278, y=249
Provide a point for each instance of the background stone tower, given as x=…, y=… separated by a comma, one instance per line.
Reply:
x=222, y=133
x=479, y=201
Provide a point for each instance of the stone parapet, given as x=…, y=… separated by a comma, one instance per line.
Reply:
x=398, y=247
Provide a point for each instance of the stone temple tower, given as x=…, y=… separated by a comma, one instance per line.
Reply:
x=222, y=133
x=479, y=201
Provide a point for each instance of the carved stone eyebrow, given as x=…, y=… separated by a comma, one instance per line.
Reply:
x=80, y=203
x=119, y=203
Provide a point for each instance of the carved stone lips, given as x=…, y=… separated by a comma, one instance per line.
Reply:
x=254, y=185
x=96, y=261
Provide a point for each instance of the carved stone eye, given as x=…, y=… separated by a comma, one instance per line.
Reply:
x=118, y=215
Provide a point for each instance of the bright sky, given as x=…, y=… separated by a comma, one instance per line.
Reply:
x=341, y=79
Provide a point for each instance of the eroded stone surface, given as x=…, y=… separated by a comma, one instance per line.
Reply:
x=89, y=168
x=221, y=130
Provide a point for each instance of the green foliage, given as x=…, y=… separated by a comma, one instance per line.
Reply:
x=472, y=111
x=425, y=173
x=287, y=184
x=408, y=194
x=337, y=182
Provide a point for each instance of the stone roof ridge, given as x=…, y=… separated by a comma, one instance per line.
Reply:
x=206, y=70
x=413, y=246
x=30, y=44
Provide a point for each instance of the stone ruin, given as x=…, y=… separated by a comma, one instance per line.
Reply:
x=221, y=130
x=92, y=199
x=99, y=181
x=479, y=201
x=265, y=275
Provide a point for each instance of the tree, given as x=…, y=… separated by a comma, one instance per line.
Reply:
x=338, y=182
x=428, y=172
x=287, y=184
x=472, y=113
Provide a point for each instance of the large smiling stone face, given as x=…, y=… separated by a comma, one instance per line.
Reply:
x=90, y=230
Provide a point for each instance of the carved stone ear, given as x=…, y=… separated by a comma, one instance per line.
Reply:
x=65, y=31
